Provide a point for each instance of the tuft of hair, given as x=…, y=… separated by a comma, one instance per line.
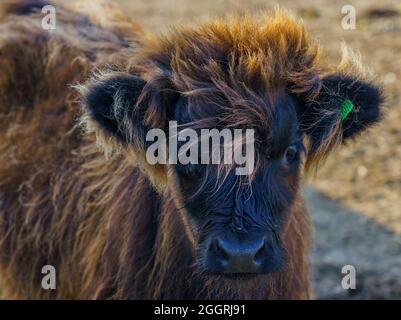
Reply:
x=241, y=53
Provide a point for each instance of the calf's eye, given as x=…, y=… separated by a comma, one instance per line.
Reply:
x=291, y=154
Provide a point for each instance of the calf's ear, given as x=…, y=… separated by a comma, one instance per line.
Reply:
x=120, y=108
x=112, y=104
x=344, y=107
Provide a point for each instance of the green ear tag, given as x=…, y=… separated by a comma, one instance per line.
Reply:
x=346, y=108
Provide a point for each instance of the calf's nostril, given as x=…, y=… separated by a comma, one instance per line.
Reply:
x=260, y=252
x=218, y=250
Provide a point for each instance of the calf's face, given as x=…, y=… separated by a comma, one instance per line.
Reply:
x=297, y=112
x=236, y=220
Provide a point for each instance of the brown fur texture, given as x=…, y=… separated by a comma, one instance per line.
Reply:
x=109, y=224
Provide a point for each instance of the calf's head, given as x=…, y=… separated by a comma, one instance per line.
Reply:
x=231, y=75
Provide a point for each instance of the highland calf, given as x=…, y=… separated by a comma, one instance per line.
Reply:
x=115, y=226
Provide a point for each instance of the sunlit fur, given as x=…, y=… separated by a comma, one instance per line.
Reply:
x=114, y=226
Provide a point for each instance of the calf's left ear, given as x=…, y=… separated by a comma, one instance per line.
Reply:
x=343, y=108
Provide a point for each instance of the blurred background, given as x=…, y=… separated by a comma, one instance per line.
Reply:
x=355, y=198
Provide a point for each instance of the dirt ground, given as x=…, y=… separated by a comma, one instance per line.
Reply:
x=357, y=210
x=347, y=237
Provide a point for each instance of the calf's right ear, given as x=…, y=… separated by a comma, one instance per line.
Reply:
x=121, y=108
x=112, y=103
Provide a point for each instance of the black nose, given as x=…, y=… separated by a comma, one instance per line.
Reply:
x=235, y=256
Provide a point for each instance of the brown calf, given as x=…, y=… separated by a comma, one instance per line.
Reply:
x=119, y=227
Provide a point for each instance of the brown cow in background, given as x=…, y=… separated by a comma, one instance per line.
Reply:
x=118, y=227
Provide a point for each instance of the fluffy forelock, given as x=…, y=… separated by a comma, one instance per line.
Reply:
x=239, y=56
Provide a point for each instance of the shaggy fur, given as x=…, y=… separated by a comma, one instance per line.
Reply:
x=109, y=224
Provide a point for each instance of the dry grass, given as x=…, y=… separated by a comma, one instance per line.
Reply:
x=365, y=175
